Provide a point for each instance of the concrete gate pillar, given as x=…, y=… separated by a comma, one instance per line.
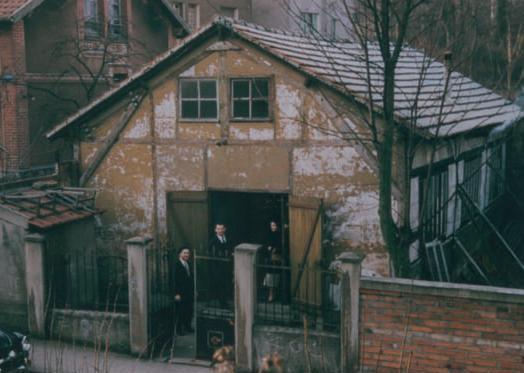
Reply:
x=245, y=304
x=350, y=310
x=137, y=277
x=35, y=283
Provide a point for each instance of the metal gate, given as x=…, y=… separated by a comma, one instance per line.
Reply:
x=160, y=301
x=214, y=305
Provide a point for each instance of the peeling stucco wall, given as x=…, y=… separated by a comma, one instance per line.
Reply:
x=297, y=151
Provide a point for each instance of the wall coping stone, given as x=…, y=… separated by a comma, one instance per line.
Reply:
x=444, y=289
x=248, y=247
x=93, y=314
x=296, y=331
x=139, y=240
x=35, y=237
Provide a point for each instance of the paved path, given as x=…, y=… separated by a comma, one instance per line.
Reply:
x=59, y=357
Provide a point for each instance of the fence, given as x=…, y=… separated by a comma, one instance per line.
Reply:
x=160, y=300
x=87, y=281
x=300, y=294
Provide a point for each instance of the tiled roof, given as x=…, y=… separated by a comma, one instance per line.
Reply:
x=420, y=80
x=49, y=208
x=419, y=85
x=13, y=10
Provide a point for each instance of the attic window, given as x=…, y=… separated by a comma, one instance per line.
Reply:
x=250, y=98
x=198, y=99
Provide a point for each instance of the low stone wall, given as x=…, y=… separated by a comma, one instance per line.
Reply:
x=420, y=327
x=323, y=348
x=91, y=328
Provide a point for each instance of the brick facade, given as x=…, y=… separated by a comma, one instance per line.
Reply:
x=441, y=330
x=13, y=98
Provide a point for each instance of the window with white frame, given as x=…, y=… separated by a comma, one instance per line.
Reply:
x=115, y=26
x=193, y=16
x=496, y=169
x=198, y=99
x=179, y=8
x=333, y=28
x=434, y=195
x=229, y=12
x=308, y=22
x=91, y=18
x=472, y=179
x=250, y=98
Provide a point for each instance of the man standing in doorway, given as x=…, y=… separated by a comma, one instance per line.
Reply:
x=221, y=274
x=184, y=292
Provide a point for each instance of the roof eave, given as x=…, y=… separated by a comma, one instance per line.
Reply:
x=24, y=10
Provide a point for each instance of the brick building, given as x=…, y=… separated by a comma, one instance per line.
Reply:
x=57, y=55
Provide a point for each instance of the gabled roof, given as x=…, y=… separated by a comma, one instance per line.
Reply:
x=14, y=10
x=420, y=80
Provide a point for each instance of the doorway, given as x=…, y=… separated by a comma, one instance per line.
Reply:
x=247, y=215
x=191, y=217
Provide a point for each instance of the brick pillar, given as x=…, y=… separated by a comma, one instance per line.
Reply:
x=137, y=272
x=35, y=283
x=350, y=311
x=245, y=304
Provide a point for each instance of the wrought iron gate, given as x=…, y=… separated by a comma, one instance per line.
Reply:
x=215, y=316
x=160, y=300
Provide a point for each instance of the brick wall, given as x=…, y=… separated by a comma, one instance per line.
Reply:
x=14, y=125
x=417, y=326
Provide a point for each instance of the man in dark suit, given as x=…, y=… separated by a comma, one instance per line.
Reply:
x=184, y=291
x=221, y=275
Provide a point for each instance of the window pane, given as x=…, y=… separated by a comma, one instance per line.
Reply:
x=208, y=89
x=189, y=88
x=190, y=109
x=260, y=109
x=240, y=88
x=241, y=109
x=260, y=88
x=208, y=109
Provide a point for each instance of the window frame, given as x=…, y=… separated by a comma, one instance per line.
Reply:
x=198, y=99
x=115, y=22
x=269, y=98
x=92, y=22
x=309, y=22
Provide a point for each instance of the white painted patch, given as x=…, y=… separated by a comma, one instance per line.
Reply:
x=319, y=160
x=166, y=108
x=189, y=72
x=139, y=128
x=259, y=134
x=288, y=102
x=165, y=128
x=356, y=219
x=212, y=70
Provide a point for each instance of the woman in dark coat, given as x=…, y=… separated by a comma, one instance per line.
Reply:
x=273, y=257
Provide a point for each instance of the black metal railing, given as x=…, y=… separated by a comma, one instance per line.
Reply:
x=295, y=295
x=214, y=286
x=87, y=281
x=160, y=295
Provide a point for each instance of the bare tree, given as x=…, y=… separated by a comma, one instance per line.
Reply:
x=394, y=113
